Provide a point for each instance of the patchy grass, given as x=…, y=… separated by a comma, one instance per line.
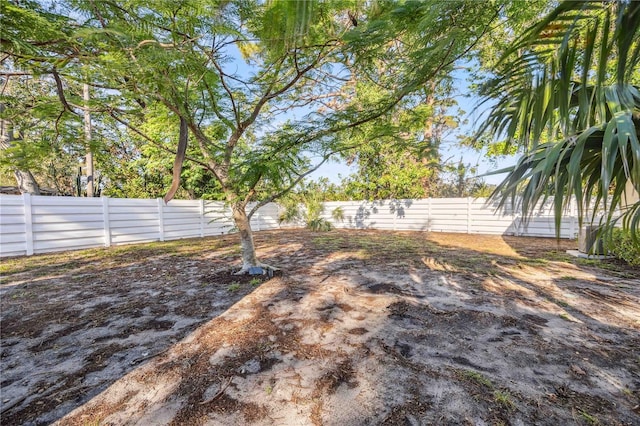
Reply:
x=591, y=420
x=89, y=260
x=476, y=377
x=565, y=317
x=504, y=399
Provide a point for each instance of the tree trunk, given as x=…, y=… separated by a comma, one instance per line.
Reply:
x=26, y=182
x=243, y=224
x=24, y=178
x=87, y=136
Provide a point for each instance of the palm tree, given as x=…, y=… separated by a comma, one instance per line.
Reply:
x=568, y=93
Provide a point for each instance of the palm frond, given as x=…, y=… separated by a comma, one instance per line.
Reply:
x=568, y=93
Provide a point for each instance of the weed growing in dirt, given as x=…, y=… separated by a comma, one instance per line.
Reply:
x=233, y=286
x=610, y=265
x=565, y=317
x=560, y=303
x=535, y=262
x=255, y=282
x=476, y=377
x=504, y=399
x=268, y=389
x=589, y=418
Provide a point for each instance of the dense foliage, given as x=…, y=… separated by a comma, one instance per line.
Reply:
x=624, y=247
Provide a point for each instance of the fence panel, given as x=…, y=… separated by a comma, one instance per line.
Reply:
x=463, y=215
x=51, y=217
x=217, y=218
x=13, y=236
x=181, y=219
x=133, y=220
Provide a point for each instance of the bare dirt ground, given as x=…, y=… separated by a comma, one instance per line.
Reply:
x=361, y=328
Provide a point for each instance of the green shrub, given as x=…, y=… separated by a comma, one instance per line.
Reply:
x=308, y=209
x=338, y=214
x=319, y=224
x=623, y=247
x=290, y=214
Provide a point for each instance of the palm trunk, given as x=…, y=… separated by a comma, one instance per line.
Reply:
x=243, y=224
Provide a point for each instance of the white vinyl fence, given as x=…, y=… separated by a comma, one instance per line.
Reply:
x=463, y=215
x=39, y=224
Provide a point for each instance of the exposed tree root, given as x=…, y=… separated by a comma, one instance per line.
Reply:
x=268, y=269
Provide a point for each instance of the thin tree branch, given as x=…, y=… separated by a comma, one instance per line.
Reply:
x=236, y=112
x=297, y=180
x=287, y=189
x=60, y=91
x=154, y=142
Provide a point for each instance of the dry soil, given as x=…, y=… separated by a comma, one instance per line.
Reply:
x=359, y=328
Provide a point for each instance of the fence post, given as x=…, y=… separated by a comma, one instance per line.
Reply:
x=160, y=202
x=28, y=222
x=574, y=212
x=107, y=221
x=201, y=218
x=468, y=215
x=429, y=214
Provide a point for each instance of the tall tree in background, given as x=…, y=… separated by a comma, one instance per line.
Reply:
x=29, y=134
x=568, y=93
x=399, y=156
x=42, y=107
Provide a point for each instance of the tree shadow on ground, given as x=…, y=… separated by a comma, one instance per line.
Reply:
x=390, y=328
x=93, y=260
x=75, y=323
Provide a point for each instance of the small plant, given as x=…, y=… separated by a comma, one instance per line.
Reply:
x=568, y=278
x=290, y=214
x=589, y=418
x=476, y=377
x=319, y=224
x=624, y=247
x=504, y=398
x=307, y=206
x=233, y=286
x=565, y=317
x=338, y=214
x=268, y=389
x=255, y=281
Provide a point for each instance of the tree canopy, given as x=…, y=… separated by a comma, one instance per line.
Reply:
x=248, y=91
